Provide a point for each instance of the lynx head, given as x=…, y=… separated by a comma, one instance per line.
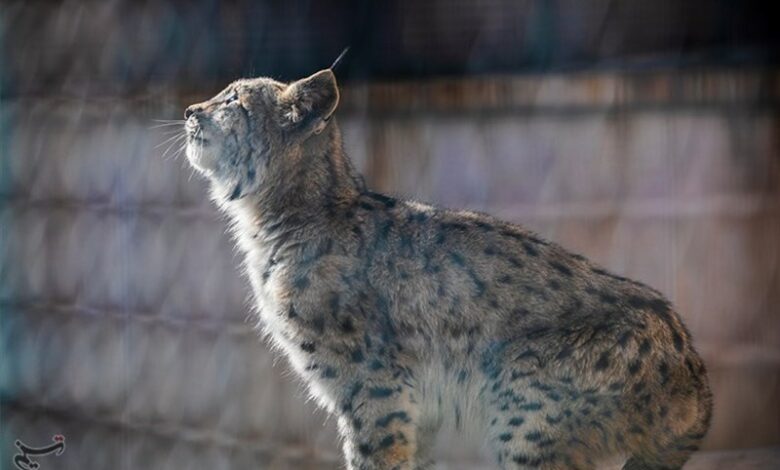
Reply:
x=256, y=128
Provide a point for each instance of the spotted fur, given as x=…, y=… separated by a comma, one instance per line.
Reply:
x=401, y=317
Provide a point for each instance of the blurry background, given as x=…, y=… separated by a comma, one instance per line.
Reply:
x=643, y=134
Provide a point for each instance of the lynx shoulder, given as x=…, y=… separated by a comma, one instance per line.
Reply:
x=402, y=317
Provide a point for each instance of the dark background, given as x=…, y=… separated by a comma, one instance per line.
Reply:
x=128, y=46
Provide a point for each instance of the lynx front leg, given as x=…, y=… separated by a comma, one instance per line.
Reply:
x=378, y=423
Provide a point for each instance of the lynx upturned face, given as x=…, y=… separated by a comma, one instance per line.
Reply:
x=401, y=317
x=215, y=127
x=232, y=137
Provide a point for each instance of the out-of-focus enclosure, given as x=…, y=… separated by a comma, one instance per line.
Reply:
x=643, y=134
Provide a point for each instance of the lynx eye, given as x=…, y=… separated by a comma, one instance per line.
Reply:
x=233, y=96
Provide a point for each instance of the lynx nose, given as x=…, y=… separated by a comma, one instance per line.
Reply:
x=191, y=110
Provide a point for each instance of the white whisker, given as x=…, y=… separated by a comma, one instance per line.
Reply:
x=158, y=126
x=173, y=144
x=168, y=132
x=180, y=151
x=168, y=140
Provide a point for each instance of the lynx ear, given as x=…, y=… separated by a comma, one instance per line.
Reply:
x=308, y=103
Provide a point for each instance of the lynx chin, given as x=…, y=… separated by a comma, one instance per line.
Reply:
x=403, y=317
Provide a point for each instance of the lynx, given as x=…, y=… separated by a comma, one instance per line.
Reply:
x=402, y=317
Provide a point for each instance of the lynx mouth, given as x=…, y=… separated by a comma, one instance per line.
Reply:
x=198, y=139
x=195, y=133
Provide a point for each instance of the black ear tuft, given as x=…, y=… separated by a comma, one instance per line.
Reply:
x=308, y=101
x=339, y=60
